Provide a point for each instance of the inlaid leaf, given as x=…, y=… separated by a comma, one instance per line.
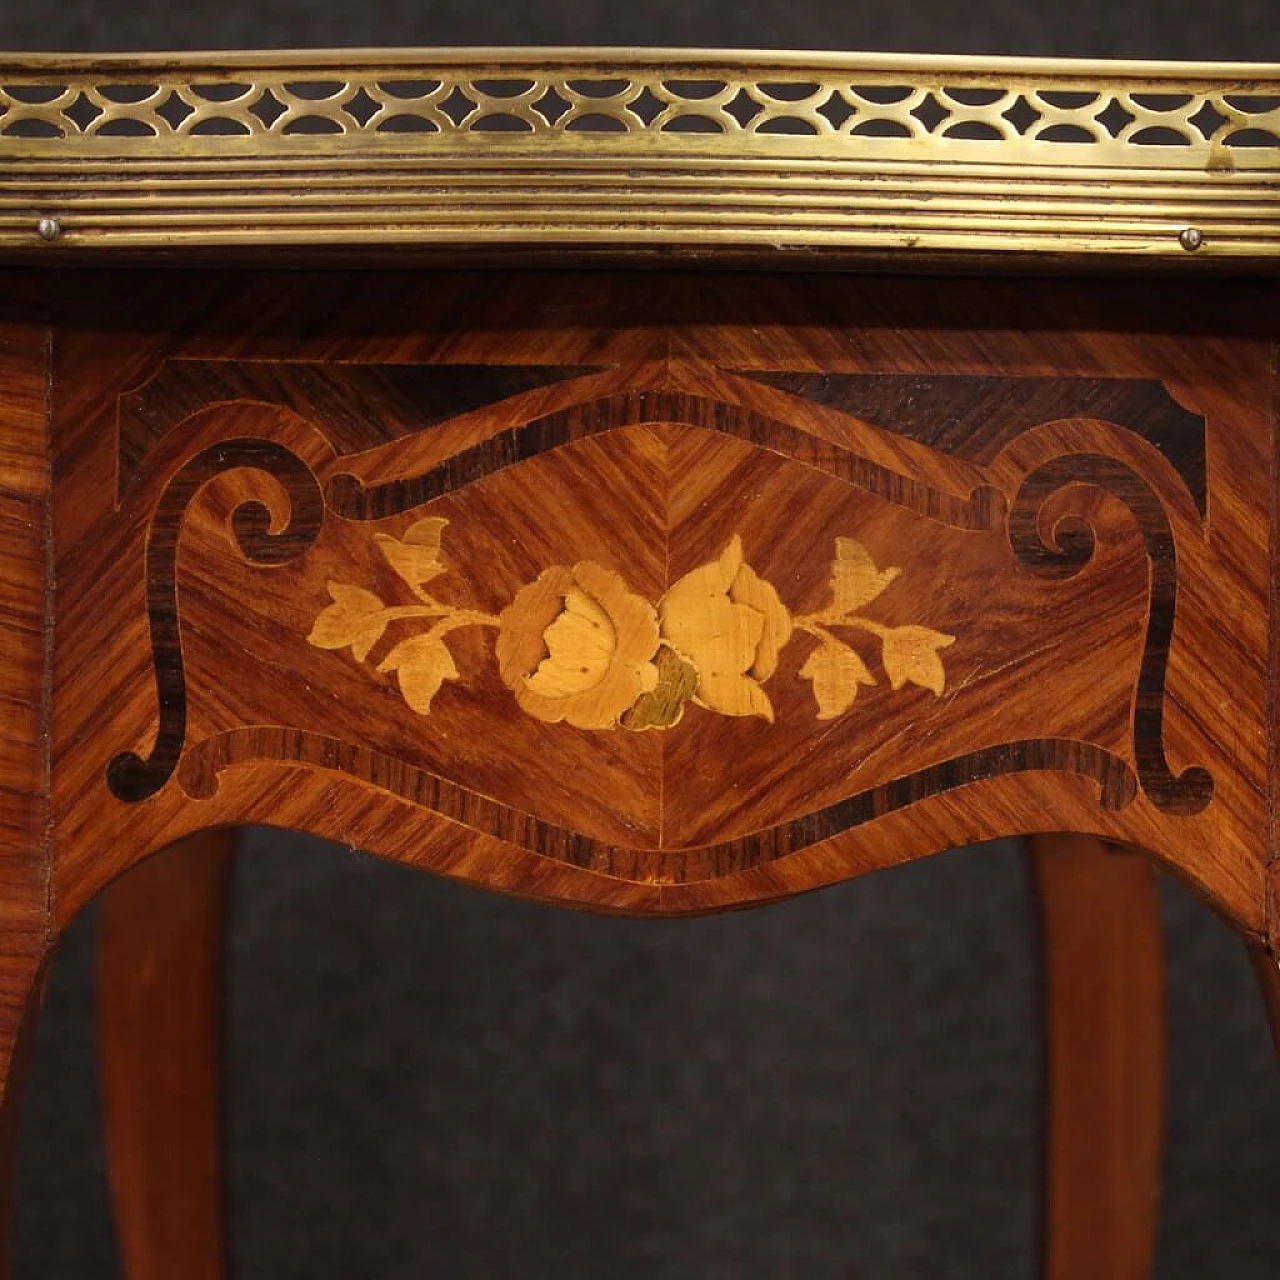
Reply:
x=356, y=617
x=417, y=556
x=836, y=672
x=422, y=665
x=855, y=579
x=427, y=532
x=911, y=657
x=663, y=706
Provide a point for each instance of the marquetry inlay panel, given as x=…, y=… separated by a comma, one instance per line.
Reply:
x=660, y=602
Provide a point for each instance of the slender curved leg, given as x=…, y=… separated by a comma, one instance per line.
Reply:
x=1267, y=967
x=21, y=989
x=159, y=1029
x=1106, y=1041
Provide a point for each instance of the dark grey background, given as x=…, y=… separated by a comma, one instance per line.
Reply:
x=427, y=1081
x=1244, y=29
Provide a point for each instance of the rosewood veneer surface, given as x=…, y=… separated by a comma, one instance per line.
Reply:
x=990, y=557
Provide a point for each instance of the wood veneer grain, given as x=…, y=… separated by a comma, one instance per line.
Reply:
x=159, y=1021
x=1068, y=476
x=1105, y=1052
x=24, y=780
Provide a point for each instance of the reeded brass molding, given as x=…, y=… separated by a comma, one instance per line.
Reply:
x=633, y=150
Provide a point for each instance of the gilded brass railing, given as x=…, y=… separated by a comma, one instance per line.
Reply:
x=624, y=149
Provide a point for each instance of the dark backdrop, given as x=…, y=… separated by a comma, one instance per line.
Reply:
x=427, y=1081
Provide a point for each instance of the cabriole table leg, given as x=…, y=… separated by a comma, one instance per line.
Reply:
x=1105, y=1053
x=159, y=992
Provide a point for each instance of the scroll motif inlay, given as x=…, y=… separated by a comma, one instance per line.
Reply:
x=822, y=627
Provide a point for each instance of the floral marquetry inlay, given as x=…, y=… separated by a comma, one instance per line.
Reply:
x=578, y=645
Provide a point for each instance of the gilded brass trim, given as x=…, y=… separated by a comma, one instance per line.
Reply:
x=620, y=149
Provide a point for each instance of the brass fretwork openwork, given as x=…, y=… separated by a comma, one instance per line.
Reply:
x=620, y=149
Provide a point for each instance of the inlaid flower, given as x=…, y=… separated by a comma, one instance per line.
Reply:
x=725, y=619
x=577, y=645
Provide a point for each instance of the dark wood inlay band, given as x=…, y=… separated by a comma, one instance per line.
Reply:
x=349, y=498
x=131, y=776
x=207, y=760
x=1070, y=547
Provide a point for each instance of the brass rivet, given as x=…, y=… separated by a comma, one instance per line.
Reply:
x=49, y=228
x=1191, y=238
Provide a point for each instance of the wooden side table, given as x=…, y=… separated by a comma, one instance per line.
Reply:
x=653, y=483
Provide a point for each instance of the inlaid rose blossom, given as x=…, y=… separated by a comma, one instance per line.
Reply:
x=578, y=646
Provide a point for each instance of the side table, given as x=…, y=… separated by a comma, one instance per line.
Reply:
x=655, y=483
